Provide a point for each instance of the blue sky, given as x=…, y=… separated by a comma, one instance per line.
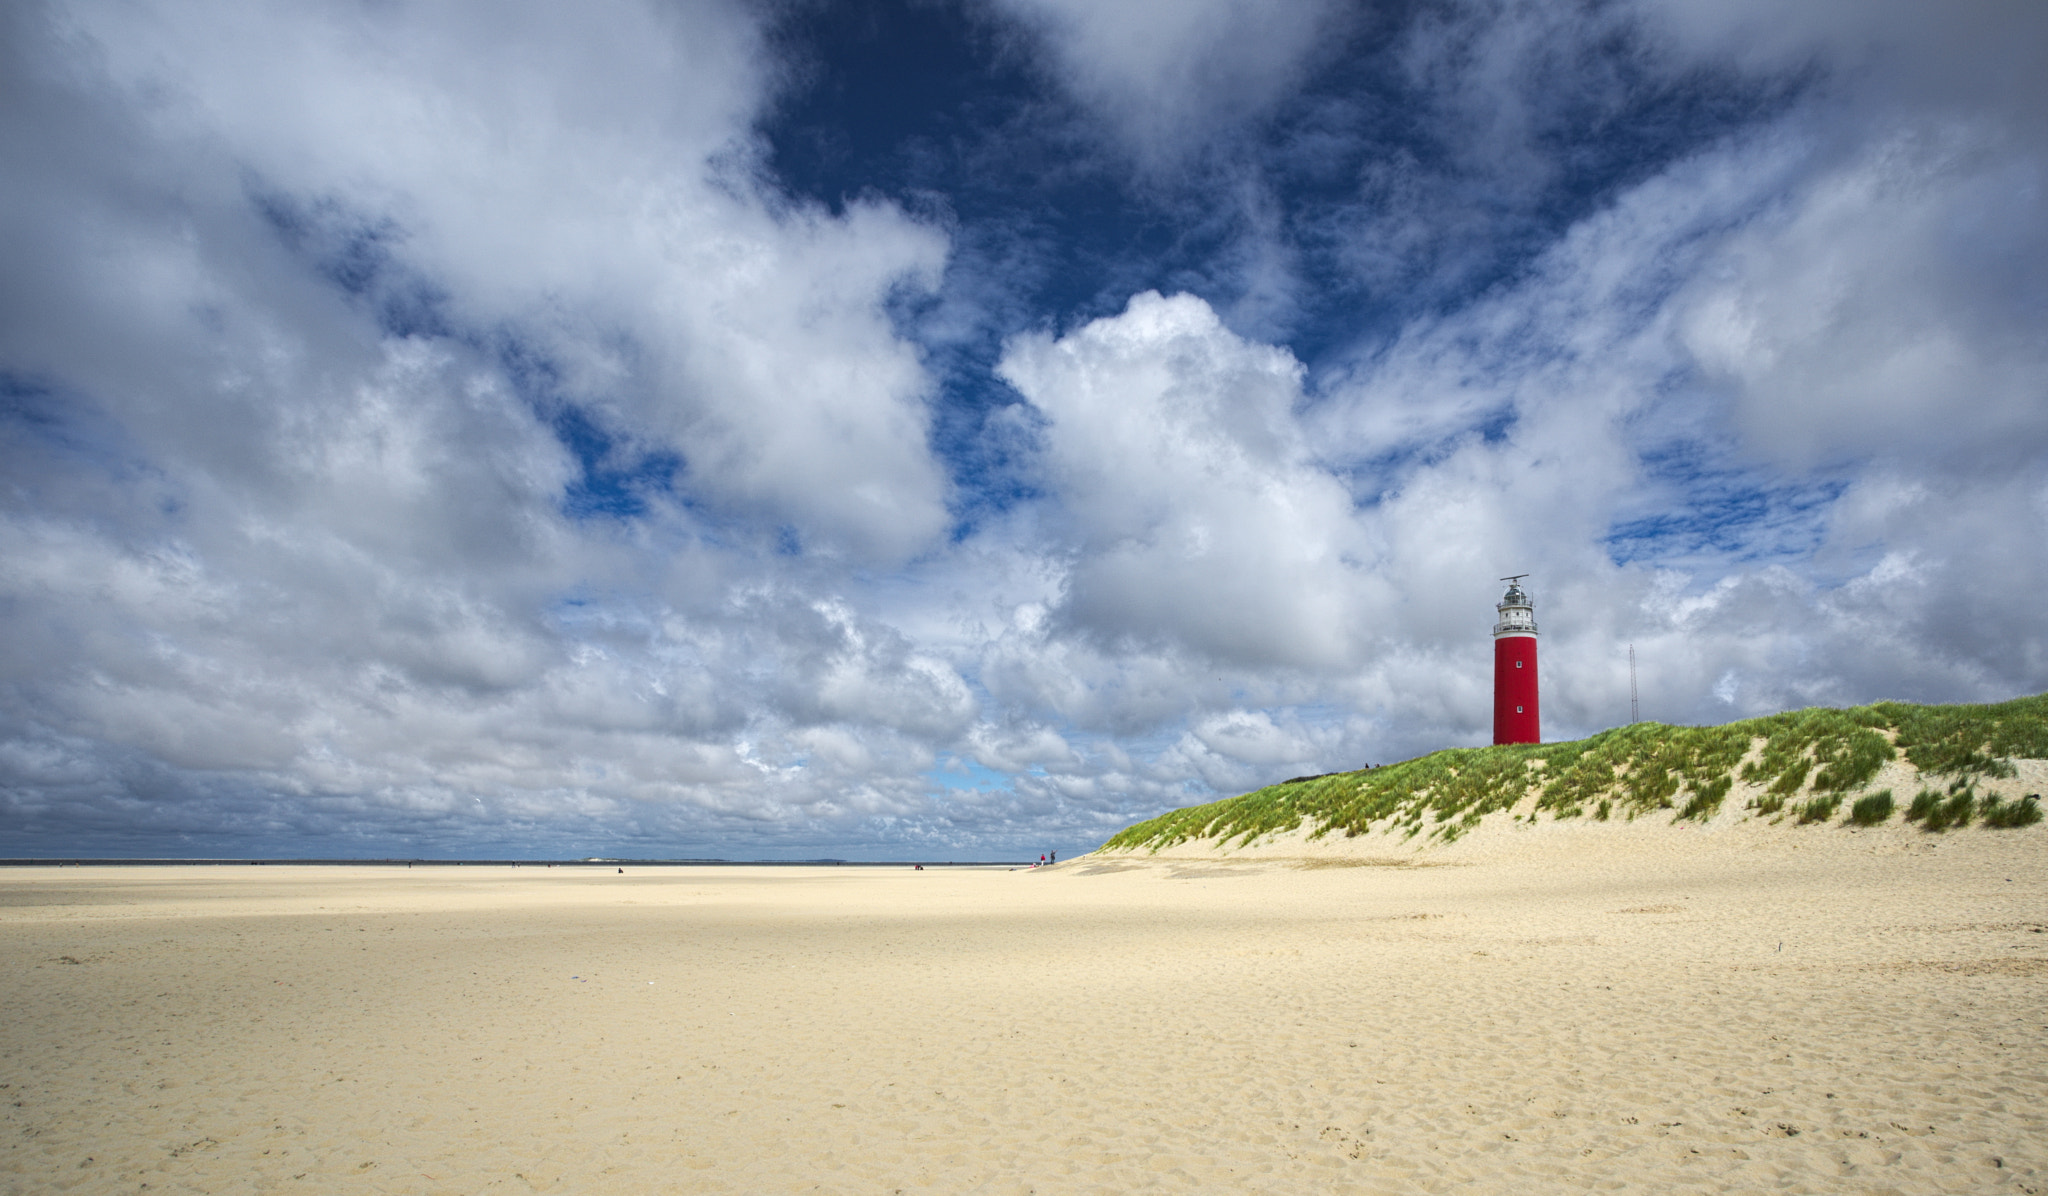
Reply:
x=885, y=430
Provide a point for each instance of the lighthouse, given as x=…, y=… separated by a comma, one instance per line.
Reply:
x=1515, y=718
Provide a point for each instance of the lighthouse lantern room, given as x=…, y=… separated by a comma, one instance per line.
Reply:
x=1515, y=715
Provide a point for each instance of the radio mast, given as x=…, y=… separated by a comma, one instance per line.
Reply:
x=1632, y=715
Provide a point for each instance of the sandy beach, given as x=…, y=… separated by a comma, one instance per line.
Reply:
x=1634, y=1010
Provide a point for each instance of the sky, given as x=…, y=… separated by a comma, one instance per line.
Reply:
x=785, y=429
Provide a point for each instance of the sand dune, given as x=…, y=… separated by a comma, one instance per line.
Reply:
x=1647, y=1012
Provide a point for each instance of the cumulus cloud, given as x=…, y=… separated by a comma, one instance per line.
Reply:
x=1195, y=514
x=1886, y=301
x=1169, y=77
x=438, y=430
x=312, y=345
x=580, y=185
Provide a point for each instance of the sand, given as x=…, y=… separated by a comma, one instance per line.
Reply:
x=1642, y=1010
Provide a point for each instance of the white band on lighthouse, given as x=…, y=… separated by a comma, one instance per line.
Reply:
x=1517, y=615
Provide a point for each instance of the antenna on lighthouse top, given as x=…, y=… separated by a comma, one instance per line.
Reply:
x=1515, y=578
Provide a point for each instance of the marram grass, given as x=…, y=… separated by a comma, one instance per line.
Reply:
x=1642, y=769
x=1873, y=810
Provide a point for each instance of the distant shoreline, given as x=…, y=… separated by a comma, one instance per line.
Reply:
x=244, y=862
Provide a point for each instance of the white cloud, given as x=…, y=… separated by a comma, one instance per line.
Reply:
x=1188, y=495
x=1884, y=308
x=1978, y=56
x=580, y=183
x=1022, y=748
x=258, y=537
x=298, y=298
x=1169, y=76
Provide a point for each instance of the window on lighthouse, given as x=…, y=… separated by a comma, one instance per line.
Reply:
x=1518, y=710
x=1518, y=664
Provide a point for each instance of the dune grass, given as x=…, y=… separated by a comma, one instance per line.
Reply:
x=1820, y=809
x=1873, y=810
x=2003, y=815
x=1822, y=753
x=1957, y=809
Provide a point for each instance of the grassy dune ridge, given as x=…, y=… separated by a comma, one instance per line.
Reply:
x=1822, y=754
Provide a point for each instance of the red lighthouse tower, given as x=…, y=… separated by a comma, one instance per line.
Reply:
x=1515, y=717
